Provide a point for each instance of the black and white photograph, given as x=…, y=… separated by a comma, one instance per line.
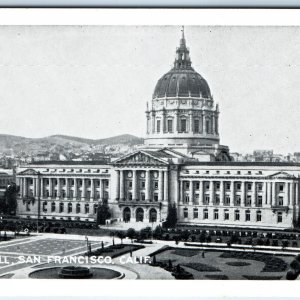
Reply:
x=150, y=152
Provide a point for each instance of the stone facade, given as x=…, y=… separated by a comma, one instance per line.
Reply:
x=182, y=163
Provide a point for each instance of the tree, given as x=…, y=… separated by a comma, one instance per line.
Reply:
x=103, y=213
x=121, y=235
x=8, y=204
x=131, y=233
x=171, y=220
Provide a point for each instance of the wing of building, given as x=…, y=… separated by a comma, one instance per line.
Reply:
x=181, y=163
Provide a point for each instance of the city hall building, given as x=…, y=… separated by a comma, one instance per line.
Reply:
x=182, y=162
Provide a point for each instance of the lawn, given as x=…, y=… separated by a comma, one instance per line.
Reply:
x=216, y=265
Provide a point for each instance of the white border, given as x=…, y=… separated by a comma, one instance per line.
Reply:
x=150, y=288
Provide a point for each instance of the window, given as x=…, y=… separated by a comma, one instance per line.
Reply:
x=186, y=185
x=61, y=207
x=238, y=200
x=247, y=217
x=281, y=187
x=259, y=187
x=95, y=208
x=207, y=126
x=170, y=125
x=217, y=185
x=143, y=184
x=207, y=185
x=280, y=201
x=238, y=186
x=196, y=126
x=183, y=125
x=227, y=200
x=143, y=197
x=129, y=196
x=88, y=194
x=156, y=197
x=249, y=186
x=217, y=200
x=226, y=215
x=237, y=215
x=206, y=200
x=216, y=214
x=77, y=208
x=185, y=213
x=130, y=184
x=45, y=206
x=197, y=185
x=258, y=216
x=186, y=198
x=158, y=126
x=53, y=207
x=205, y=214
x=259, y=201
x=195, y=213
x=279, y=217
x=86, y=208
x=156, y=185
x=69, y=207
x=248, y=200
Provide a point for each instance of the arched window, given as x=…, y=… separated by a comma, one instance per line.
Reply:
x=237, y=215
x=247, y=216
x=77, y=208
x=258, y=216
x=70, y=208
x=95, y=208
x=86, y=208
x=216, y=214
x=45, y=206
x=183, y=127
x=185, y=213
x=53, y=207
x=195, y=213
x=61, y=207
x=226, y=214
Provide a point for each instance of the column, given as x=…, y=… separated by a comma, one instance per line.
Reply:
x=92, y=188
x=25, y=186
x=191, y=122
x=134, y=185
x=42, y=187
x=292, y=195
x=58, y=188
x=163, y=123
x=201, y=192
x=269, y=194
x=121, y=185
x=160, y=186
x=221, y=192
x=273, y=194
x=253, y=198
x=286, y=194
x=181, y=192
x=264, y=193
x=83, y=195
x=191, y=193
x=75, y=188
x=21, y=186
x=153, y=121
x=148, y=186
x=176, y=122
x=211, y=193
x=204, y=122
x=67, y=188
x=166, y=186
x=102, y=189
x=243, y=193
x=50, y=187
x=296, y=193
x=213, y=124
x=38, y=187
x=34, y=187
x=117, y=185
x=232, y=193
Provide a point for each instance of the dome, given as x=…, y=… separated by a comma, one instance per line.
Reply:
x=182, y=83
x=182, y=80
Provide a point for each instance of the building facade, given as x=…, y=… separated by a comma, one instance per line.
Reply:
x=181, y=163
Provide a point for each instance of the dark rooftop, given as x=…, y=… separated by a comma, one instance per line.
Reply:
x=70, y=162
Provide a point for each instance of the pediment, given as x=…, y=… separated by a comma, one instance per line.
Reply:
x=140, y=158
x=281, y=175
x=31, y=172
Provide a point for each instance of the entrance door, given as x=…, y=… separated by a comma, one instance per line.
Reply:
x=139, y=215
x=126, y=214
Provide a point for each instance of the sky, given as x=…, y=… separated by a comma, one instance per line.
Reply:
x=94, y=81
